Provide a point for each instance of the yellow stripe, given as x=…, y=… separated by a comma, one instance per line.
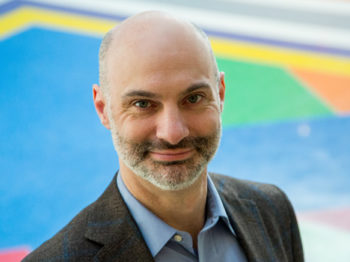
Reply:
x=280, y=56
x=13, y=21
x=26, y=16
x=72, y=22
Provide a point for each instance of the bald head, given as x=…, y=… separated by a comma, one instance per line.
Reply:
x=154, y=34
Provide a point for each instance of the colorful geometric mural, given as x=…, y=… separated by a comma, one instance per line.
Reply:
x=286, y=121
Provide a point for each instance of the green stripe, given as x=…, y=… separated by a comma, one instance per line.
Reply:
x=263, y=93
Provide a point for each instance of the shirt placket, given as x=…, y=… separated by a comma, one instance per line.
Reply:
x=185, y=240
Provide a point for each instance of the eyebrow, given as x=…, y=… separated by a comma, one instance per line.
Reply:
x=148, y=94
x=194, y=87
x=141, y=93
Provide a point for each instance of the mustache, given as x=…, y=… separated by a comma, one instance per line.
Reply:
x=200, y=144
x=187, y=142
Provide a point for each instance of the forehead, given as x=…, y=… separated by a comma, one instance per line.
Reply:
x=163, y=79
x=172, y=57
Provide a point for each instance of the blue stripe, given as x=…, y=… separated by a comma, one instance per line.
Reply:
x=281, y=43
x=74, y=10
x=9, y=6
x=253, y=39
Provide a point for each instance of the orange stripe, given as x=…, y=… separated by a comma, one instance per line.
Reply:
x=333, y=88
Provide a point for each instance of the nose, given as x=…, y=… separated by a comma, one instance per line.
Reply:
x=171, y=126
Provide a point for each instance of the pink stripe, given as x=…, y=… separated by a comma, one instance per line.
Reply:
x=336, y=217
x=13, y=255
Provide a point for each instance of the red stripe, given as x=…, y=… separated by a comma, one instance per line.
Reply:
x=13, y=255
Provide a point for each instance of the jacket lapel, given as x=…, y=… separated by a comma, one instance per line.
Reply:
x=246, y=220
x=111, y=225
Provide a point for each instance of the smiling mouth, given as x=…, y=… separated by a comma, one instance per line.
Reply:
x=171, y=155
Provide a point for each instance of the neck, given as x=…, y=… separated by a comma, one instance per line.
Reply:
x=183, y=209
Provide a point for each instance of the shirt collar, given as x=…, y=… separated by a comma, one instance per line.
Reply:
x=215, y=207
x=155, y=231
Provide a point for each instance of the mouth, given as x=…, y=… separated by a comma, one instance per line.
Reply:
x=171, y=155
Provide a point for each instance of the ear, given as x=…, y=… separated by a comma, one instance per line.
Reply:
x=222, y=88
x=100, y=105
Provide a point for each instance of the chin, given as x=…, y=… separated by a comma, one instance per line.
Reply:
x=172, y=176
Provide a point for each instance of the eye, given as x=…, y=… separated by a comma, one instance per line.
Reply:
x=195, y=98
x=142, y=104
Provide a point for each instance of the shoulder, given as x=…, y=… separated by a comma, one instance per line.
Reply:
x=70, y=243
x=266, y=197
x=244, y=188
x=266, y=209
x=261, y=213
x=58, y=248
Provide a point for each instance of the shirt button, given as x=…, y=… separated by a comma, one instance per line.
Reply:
x=178, y=238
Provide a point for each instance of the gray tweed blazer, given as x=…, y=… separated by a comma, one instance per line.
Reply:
x=261, y=215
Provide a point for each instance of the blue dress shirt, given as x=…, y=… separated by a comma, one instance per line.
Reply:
x=216, y=241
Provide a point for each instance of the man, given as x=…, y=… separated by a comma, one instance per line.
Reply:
x=161, y=95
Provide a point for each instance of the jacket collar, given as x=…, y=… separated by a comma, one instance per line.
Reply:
x=246, y=221
x=111, y=225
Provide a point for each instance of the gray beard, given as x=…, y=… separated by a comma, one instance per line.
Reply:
x=169, y=176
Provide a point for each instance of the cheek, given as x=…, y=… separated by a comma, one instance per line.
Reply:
x=130, y=128
x=135, y=130
x=205, y=123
